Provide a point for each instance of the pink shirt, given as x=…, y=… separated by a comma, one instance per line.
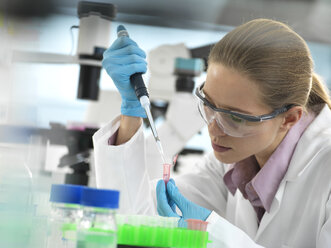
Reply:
x=112, y=139
x=259, y=186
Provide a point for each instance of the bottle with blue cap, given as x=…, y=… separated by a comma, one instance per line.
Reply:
x=65, y=215
x=97, y=228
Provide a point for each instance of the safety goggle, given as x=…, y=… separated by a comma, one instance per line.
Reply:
x=233, y=123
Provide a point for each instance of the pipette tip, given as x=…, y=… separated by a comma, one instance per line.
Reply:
x=175, y=159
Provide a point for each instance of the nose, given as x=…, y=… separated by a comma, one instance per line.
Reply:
x=215, y=129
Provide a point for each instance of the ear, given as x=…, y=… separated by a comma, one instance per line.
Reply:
x=291, y=117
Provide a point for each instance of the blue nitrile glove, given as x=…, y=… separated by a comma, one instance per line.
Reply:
x=121, y=60
x=162, y=196
x=168, y=200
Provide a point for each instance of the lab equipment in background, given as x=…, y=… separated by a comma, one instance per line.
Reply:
x=65, y=215
x=161, y=65
x=78, y=141
x=164, y=70
x=94, y=38
x=140, y=89
x=186, y=70
x=97, y=228
x=157, y=231
x=181, y=116
x=161, y=86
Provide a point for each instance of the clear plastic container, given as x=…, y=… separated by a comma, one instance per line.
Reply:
x=97, y=228
x=16, y=209
x=65, y=215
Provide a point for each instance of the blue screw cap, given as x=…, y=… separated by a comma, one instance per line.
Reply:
x=102, y=198
x=66, y=193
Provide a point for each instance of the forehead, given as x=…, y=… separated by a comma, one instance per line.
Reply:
x=229, y=89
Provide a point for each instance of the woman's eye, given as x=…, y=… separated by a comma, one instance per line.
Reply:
x=236, y=119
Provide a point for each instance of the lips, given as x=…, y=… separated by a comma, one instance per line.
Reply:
x=220, y=148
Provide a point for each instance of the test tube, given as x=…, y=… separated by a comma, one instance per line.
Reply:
x=167, y=168
x=194, y=224
x=166, y=173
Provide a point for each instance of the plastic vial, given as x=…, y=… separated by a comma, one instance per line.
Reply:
x=97, y=228
x=65, y=215
x=166, y=173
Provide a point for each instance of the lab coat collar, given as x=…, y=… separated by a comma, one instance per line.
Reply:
x=301, y=160
x=268, y=216
x=302, y=156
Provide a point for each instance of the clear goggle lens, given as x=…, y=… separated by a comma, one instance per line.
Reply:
x=230, y=124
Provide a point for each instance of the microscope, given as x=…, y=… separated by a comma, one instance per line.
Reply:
x=93, y=39
x=173, y=69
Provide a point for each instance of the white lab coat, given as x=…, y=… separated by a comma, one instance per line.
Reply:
x=300, y=214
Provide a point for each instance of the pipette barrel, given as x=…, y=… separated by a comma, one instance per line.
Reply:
x=136, y=79
x=141, y=92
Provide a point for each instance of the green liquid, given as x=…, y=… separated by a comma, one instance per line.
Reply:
x=148, y=236
x=96, y=238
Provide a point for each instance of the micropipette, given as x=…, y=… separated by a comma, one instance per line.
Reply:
x=140, y=89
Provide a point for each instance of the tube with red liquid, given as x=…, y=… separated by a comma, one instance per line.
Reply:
x=166, y=170
x=166, y=173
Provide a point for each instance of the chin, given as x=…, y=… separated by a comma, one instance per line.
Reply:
x=225, y=159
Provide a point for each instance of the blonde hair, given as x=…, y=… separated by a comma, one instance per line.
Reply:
x=277, y=59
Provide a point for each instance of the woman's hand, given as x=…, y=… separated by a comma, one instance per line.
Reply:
x=167, y=200
x=121, y=60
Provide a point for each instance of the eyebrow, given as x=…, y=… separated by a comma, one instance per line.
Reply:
x=227, y=107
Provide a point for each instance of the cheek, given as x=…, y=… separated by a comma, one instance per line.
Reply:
x=249, y=146
x=246, y=147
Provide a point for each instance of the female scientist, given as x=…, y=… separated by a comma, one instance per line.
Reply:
x=268, y=181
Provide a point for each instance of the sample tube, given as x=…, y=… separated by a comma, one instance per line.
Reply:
x=167, y=168
x=166, y=173
x=194, y=224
